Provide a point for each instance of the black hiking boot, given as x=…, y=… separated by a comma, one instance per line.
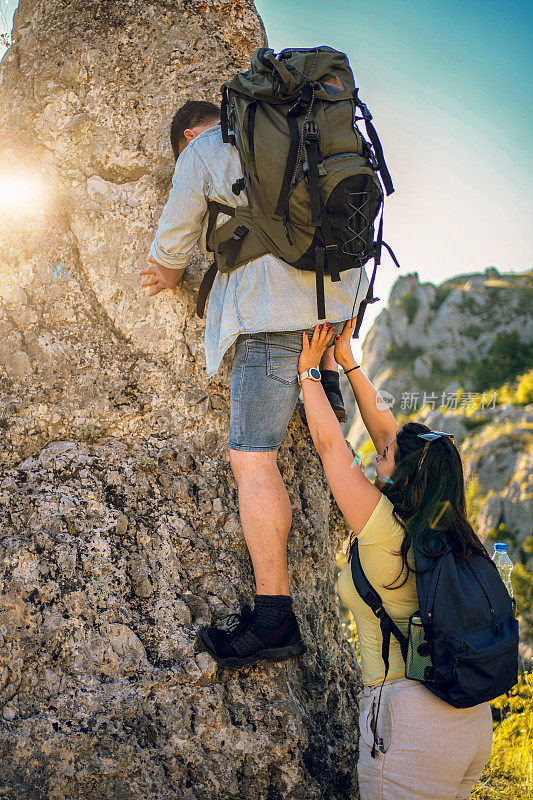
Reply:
x=331, y=382
x=242, y=646
x=233, y=624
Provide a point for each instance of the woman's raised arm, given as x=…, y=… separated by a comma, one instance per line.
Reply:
x=376, y=415
x=356, y=496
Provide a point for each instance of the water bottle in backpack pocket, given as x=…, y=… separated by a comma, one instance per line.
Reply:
x=504, y=565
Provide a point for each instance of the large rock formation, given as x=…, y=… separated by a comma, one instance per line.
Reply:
x=433, y=339
x=119, y=528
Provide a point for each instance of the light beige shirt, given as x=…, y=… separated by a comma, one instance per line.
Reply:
x=263, y=296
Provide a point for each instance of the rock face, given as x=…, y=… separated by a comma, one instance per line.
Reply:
x=119, y=531
x=428, y=337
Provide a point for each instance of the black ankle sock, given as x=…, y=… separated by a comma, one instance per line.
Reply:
x=269, y=611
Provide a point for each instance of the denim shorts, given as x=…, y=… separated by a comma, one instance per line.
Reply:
x=264, y=387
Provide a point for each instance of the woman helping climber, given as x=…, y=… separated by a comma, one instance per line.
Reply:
x=413, y=742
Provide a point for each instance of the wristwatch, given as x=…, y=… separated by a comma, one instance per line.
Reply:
x=313, y=373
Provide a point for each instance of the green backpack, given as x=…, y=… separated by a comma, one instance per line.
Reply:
x=310, y=177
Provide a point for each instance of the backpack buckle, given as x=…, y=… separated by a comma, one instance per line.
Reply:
x=367, y=116
x=239, y=233
x=332, y=248
x=311, y=130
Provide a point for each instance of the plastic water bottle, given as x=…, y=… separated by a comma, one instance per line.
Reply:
x=504, y=564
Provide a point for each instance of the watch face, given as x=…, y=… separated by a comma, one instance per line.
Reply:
x=314, y=372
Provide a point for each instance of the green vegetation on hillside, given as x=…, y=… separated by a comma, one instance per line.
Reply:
x=522, y=576
x=441, y=293
x=505, y=374
x=403, y=354
x=508, y=357
x=410, y=304
x=519, y=393
x=509, y=772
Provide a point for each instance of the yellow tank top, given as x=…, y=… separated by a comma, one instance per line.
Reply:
x=379, y=543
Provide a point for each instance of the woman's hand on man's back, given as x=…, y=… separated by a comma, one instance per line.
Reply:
x=343, y=350
x=312, y=351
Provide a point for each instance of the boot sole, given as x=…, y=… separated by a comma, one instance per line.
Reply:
x=296, y=650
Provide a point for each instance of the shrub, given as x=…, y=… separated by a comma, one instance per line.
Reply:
x=410, y=304
x=519, y=393
x=522, y=579
x=508, y=357
x=473, y=422
x=441, y=294
x=403, y=354
x=509, y=772
x=474, y=499
x=524, y=390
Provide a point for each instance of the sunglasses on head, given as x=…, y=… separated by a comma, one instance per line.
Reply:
x=431, y=435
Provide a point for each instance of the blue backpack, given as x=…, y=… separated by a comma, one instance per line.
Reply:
x=462, y=643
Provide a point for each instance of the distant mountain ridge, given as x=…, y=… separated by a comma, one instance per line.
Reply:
x=428, y=337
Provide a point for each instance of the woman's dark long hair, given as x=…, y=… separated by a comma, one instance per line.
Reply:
x=428, y=495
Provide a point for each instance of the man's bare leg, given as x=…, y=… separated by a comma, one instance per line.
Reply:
x=266, y=517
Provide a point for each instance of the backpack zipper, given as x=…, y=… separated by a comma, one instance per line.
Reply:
x=492, y=612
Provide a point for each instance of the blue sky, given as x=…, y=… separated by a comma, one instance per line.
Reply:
x=448, y=83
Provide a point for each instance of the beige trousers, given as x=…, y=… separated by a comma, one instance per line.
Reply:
x=431, y=750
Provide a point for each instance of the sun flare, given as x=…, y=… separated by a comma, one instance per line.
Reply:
x=21, y=194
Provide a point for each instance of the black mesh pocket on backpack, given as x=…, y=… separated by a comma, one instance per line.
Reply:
x=418, y=665
x=352, y=208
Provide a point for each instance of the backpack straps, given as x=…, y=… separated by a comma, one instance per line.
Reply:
x=304, y=103
x=290, y=166
x=368, y=594
x=370, y=292
x=313, y=157
x=215, y=209
x=205, y=288
x=320, y=258
x=231, y=247
x=228, y=136
x=378, y=244
x=376, y=144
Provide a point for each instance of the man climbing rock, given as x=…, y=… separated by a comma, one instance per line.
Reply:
x=262, y=308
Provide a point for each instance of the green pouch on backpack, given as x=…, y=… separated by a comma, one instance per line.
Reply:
x=418, y=665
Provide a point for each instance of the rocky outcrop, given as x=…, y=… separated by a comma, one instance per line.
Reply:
x=427, y=352
x=428, y=336
x=441, y=353
x=119, y=531
x=112, y=556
